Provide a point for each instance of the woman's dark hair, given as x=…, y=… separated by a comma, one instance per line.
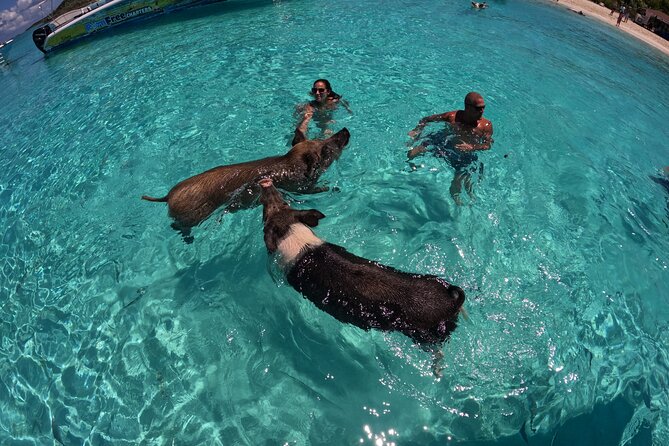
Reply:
x=332, y=94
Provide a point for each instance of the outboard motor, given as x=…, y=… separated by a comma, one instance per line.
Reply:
x=40, y=35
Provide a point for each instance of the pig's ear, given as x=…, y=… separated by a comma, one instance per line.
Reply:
x=310, y=217
x=311, y=162
x=270, y=240
x=299, y=137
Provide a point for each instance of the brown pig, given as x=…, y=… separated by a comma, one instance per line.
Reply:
x=194, y=199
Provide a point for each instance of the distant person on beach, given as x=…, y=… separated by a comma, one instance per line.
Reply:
x=321, y=108
x=621, y=14
x=467, y=131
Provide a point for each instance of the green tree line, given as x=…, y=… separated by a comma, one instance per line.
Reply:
x=635, y=6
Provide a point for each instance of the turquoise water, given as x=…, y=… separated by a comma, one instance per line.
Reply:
x=115, y=332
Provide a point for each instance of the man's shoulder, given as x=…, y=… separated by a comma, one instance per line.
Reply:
x=483, y=122
x=484, y=125
x=450, y=116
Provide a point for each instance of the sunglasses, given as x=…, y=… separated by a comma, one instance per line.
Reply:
x=479, y=108
x=318, y=90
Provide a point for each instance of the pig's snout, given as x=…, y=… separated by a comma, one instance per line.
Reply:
x=458, y=295
x=269, y=195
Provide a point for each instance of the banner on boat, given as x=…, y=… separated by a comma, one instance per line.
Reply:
x=118, y=18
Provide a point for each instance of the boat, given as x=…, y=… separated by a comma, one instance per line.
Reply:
x=100, y=16
x=3, y=61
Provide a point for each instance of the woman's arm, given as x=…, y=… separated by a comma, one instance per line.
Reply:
x=344, y=102
x=307, y=114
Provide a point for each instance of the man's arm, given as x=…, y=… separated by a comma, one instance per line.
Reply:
x=415, y=151
x=484, y=140
x=415, y=133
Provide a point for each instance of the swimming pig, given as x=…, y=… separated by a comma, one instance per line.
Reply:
x=192, y=200
x=352, y=289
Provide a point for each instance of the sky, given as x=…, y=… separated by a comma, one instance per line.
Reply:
x=17, y=15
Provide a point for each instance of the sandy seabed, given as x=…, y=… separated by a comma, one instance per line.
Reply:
x=602, y=13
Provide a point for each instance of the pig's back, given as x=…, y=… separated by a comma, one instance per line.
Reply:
x=370, y=295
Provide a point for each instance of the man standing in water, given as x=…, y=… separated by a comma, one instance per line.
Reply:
x=469, y=132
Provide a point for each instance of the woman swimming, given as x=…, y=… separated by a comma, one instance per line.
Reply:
x=321, y=108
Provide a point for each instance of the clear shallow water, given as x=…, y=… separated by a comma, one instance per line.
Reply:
x=113, y=331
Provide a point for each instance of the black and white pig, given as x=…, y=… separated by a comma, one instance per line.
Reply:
x=353, y=289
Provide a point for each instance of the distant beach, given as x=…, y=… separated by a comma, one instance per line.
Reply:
x=602, y=13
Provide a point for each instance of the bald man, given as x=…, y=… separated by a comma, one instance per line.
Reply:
x=467, y=132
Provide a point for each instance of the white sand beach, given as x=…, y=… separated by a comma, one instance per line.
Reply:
x=602, y=13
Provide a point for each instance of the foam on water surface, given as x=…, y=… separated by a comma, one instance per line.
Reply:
x=113, y=331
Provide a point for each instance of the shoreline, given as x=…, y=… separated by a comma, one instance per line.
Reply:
x=601, y=13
